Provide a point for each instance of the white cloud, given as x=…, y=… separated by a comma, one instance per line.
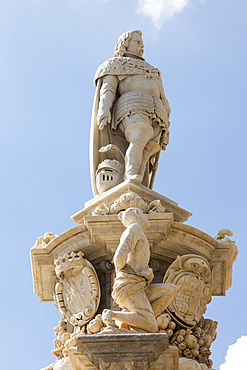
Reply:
x=236, y=357
x=160, y=10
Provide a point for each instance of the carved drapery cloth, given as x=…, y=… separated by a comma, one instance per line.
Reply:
x=126, y=284
x=125, y=66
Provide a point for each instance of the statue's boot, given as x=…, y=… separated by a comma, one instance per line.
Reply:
x=150, y=149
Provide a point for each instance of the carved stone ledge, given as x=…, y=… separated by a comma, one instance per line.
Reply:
x=133, y=351
x=147, y=195
x=107, y=229
x=99, y=236
x=222, y=263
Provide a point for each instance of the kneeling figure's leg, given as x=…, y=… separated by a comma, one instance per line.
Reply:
x=140, y=314
x=161, y=295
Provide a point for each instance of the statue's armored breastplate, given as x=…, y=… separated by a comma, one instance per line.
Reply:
x=141, y=102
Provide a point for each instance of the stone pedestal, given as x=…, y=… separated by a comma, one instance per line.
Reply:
x=119, y=352
x=79, y=263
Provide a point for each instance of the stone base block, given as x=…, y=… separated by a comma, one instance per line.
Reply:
x=119, y=352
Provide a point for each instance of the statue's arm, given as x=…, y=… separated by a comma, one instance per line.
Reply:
x=164, y=140
x=107, y=97
x=161, y=89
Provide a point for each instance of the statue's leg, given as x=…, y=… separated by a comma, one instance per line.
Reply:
x=140, y=314
x=151, y=147
x=161, y=295
x=137, y=135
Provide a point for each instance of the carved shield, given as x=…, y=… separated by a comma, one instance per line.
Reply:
x=192, y=274
x=78, y=291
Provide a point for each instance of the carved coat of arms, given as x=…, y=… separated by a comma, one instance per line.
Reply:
x=193, y=275
x=77, y=294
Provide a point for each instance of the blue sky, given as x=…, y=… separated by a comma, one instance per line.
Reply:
x=50, y=51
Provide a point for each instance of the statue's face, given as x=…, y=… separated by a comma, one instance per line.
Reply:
x=136, y=44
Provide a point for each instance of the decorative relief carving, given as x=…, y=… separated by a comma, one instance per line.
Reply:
x=193, y=343
x=101, y=210
x=128, y=200
x=77, y=294
x=189, y=364
x=64, y=340
x=96, y=325
x=205, y=332
x=42, y=241
x=222, y=238
x=166, y=325
x=228, y=245
x=193, y=275
x=155, y=207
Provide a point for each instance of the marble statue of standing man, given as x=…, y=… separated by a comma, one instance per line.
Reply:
x=130, y=109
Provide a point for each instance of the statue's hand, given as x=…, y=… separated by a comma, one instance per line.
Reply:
x=103, y=119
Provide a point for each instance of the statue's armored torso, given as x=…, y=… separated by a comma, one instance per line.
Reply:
x=147, y=83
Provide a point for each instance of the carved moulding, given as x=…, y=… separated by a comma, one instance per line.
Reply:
x=42, y=241
x=193, y=274
x=42, y=258
x=109, y=202
x=227, y=246
x=128, y=200
x=99, y=236
x=77, y=294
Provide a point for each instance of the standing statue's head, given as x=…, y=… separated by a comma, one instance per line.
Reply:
x=131, y=43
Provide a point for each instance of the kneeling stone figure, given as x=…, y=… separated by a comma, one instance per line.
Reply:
x=141, y=301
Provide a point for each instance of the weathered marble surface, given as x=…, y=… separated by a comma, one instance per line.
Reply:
x=131, y=351
x=168, y=360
